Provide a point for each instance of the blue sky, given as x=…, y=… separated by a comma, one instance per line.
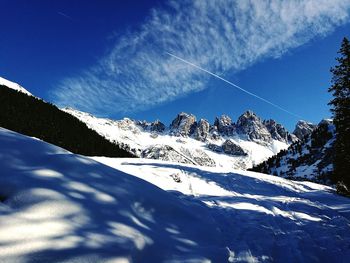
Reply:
x=109, y=57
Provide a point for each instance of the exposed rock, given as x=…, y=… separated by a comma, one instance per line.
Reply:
x=201, y=131
x=165, y=153
x=181, y=141
x=326, y=122
x=176, y=177
x=154, y=135
x=278, y=132
x=157, y=126
x=224, y=125
x=229, y=147
x=183, y=155
x=143, y=124
x=214, y=147
x=303, y=129
x=250, y=124
x=183, y=125
x=127, y=124
x=198, y=156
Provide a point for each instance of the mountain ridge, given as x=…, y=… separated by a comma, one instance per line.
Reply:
x=241, y=144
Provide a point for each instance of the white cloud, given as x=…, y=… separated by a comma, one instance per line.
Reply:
x=221, y=36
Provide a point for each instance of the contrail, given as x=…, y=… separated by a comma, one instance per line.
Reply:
x=64, y=15
x=234, y=85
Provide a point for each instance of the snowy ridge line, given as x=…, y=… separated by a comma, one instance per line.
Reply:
x=13, y=85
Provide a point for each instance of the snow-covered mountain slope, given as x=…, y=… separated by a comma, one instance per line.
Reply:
x=13, y=85
x=308, y=159
x=223, y=144
x=60, y=207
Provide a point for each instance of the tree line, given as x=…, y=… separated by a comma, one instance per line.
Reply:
x=34, y=117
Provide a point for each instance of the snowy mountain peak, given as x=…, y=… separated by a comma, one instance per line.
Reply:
x=184, y=124
x=224, y=125
x=303, y=128
x=251, y=125
x=13, y=85
x=250, y=114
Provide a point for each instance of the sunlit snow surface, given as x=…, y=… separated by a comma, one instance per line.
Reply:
x=13, y=85
x=61, y=207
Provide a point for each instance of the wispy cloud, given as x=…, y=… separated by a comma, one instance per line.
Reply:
x=221, y=36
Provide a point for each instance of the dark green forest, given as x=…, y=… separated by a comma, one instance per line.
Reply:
x=34, y=117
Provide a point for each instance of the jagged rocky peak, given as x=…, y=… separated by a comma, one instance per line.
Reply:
x=157, y=126
x=278, y=132
x=201, y=131
x=224, y=125
x=303, y=128
x=251, y=125
x=184, y=124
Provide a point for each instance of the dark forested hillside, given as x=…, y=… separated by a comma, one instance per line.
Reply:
x=33, y=117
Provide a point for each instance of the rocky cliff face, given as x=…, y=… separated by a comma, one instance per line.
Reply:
x=183, y=125
x=224, y=125
x=303, y=129
x=201, y=132
x=157, y=126
x=230, y=147
x=278, y=132
x=251, y=125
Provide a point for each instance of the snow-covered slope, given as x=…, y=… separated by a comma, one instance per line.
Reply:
x=60, y=207
x=308, y=159
x=13, y=85
x=223, y=144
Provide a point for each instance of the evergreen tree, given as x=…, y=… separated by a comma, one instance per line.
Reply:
x=340, y=103
x=34, y=117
